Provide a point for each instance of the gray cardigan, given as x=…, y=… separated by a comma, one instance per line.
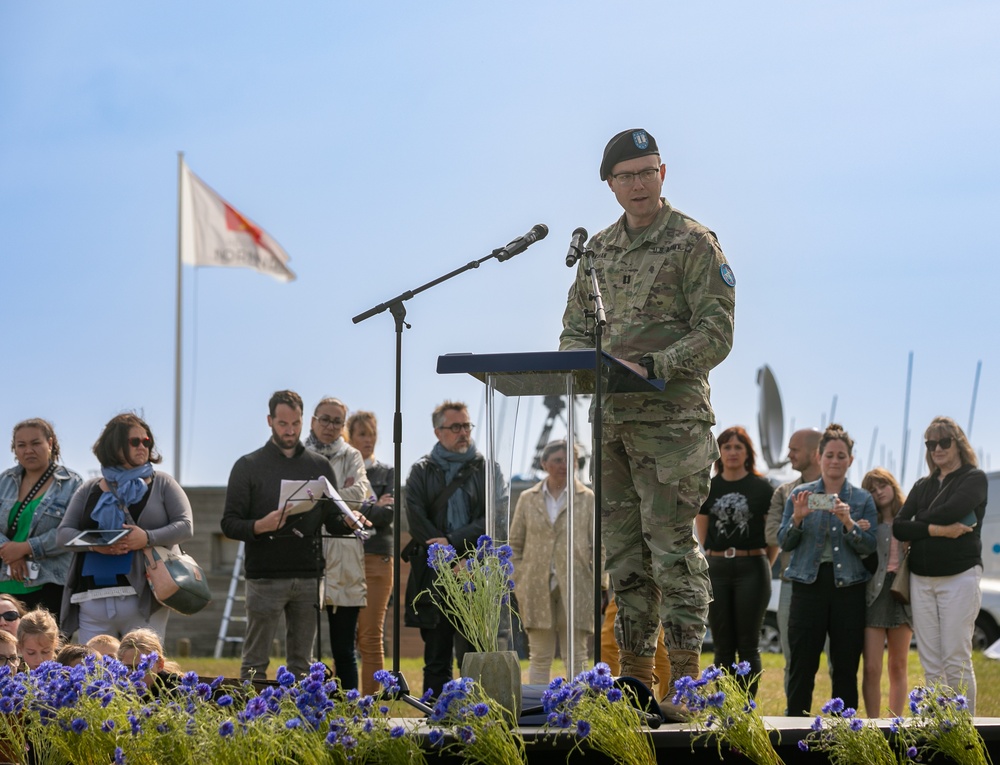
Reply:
x=166, y=518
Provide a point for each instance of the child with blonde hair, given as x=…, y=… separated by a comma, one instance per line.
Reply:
x=163, y=674
x=106, y=645
x=38, y=637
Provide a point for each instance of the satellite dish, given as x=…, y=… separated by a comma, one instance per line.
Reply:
x=770, y=418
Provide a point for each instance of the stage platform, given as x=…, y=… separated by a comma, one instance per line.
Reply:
x=672, y=744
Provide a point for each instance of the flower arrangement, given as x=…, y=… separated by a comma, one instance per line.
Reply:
x=481, y=730
x=941, y=723
x=102, y=711
x=847, y=739
x=603, y=717
x=720, y=705
x=473, y=590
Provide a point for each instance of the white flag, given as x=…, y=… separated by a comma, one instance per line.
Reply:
x=214, y=233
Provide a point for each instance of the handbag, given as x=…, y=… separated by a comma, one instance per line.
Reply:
x=176, y=580
x=900, y=589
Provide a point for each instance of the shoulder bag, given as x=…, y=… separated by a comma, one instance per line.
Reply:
x=900, y=589
x=176, y=580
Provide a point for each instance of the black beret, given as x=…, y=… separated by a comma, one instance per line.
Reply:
x=628, y=144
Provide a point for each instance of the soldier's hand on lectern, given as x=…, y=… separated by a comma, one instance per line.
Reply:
x=637, y=368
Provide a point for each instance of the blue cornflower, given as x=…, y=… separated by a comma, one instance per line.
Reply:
x=614, y=694
x=716, y=699
x=107, y=726
x=226, y=729
x=79, y=725
x=912, y=752
x=849, y=712
x=505, y=552
x=743, y=668
x=803, y=745
x=710, y=673
x=349, y=742
x=119, y=756
x=817, y=724
x=484, y=543
x=435, y=737
x=857, y=724
x=466, y=734
x=582, y=728
x=481, y=709
x=961, y=703
x=225, y=700
x=834, y=706
x=294, y=723
x=285, y=678
x=353, y=695
x=397, y=732
x=894, y=724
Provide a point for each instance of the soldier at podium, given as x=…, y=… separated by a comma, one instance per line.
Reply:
x=670, y=298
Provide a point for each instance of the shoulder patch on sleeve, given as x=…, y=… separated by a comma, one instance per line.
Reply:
x=727, y=274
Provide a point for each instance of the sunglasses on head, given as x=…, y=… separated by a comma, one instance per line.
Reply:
x=10, y=616
x=135, y=443
x=944, y=443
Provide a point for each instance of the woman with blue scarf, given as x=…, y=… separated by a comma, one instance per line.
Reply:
x=106, y=591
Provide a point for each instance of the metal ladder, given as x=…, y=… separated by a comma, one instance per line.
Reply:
x=227, y=613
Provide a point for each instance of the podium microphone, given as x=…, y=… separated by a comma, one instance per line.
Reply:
x=522, y=243
x=576, y=246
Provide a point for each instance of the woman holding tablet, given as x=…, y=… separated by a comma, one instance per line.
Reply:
x=106, y=590
x=33, y=499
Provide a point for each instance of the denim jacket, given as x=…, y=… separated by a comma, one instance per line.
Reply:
x=806, y=542
x=51, y=557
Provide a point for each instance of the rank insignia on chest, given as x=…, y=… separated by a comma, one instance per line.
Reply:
x=727, y=274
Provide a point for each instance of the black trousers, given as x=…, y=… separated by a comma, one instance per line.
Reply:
x=443, y=645
x=817, y=610
x=343, y=630
x=741, y=589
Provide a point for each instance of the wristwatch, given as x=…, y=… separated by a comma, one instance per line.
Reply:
x=647, y=363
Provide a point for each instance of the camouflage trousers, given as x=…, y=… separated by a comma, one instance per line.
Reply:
x=658, y=573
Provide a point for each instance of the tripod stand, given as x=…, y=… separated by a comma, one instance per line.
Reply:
x=398, y=310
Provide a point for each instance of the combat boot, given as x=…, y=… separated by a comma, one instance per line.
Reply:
x=682, y=664
x=639, y=667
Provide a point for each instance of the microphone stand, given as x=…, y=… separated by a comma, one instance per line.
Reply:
x=398, y=310
x=600, y=319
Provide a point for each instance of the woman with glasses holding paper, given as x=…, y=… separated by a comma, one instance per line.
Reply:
x=34, y=495
x=941, y=519
x=106, y=590
x=344, y=585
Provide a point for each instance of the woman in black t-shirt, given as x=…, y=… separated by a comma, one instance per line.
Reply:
x=730, y=527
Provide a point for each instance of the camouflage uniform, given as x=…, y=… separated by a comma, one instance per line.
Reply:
x=668, y=296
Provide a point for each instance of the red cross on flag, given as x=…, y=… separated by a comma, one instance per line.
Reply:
x=214, y=233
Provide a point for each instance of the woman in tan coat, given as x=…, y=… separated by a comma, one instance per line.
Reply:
x=538, y=538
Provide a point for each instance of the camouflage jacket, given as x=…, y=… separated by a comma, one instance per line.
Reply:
x=668, y=294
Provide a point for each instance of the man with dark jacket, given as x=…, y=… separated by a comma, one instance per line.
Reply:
x=283, y=558
x=445, y=504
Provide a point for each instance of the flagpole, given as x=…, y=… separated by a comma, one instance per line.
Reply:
x=177, y=341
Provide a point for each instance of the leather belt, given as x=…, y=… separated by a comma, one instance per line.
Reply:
x=732, y=552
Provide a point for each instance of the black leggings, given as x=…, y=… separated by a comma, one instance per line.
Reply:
x=820, y=609
x=741, y=589
x=343, y=629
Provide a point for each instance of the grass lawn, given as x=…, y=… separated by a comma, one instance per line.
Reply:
x=770, y=697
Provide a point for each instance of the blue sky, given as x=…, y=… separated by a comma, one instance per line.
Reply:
x=844, y=153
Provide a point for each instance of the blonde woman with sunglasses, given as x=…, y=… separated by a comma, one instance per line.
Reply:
x=941, y=519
